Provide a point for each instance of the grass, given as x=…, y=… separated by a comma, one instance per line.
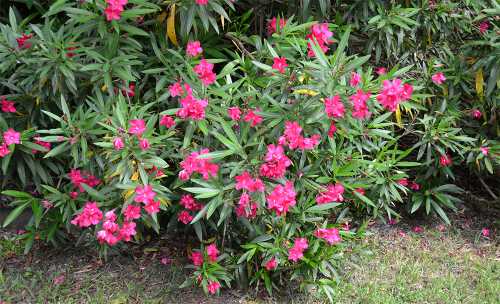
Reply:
x=432, y=267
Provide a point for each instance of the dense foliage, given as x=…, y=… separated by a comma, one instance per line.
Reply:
x=265, y=133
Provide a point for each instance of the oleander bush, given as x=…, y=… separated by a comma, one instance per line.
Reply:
x=268, y=132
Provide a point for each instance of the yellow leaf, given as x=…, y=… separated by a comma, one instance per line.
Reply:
x=164, y=201
x=306, y=92
x=38, y=101
x=171, y=26
x=162, y=17
x=222, y=21
x=104, y=88
x=445, y=91
x=135, y=176
x=128, y=193
x=479, y=82
x=398, y=117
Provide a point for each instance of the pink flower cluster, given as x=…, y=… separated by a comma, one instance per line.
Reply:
x=271, y=264
x=191, y=107
x=91, y=215
x=146, y=195
x=282, y=198
x=407, y=183
x=23, y=43
x=234, y=113
x=202, y=2
x=297, y=251
x=393, y=93
x=445, y=160
x=246, y=182
x=194, y=48
x=42, y=143
x=272, y=25
x=212, y=255
x=193, y=164
x=79, y=177
x=320, y=35
x=167, y=121
x=7, y=105
x=279, y=63
x=294, y=140
x=10, y=137
x=246, y=207
x=252, y=117
x=190, y=204
x=333, y=193
x=334, y=107
x=114, y=9
x=276, y=162
x=438, y=78
x=355, y=79
x=360, y=108
x=111, y=233
x=330, y=235
x=205, y=73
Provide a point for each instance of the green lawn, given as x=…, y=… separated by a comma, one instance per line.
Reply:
x=432, y=267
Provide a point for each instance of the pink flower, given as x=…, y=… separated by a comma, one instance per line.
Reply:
x=176, y=89
x=197, y=258
x=204, y=70
x=438, y=78
x=104, y=236
x=476, y=114
x=130, y=91
x=253, y=118
x=414, y=186
x=118, y=143
x=212, y=253
x=192, y=108
x=485, y=232
x=78, y=178
x=271, y=264
x=360, y=109
x=297, y=251
x=127, y=231
x=11, y=137
x=483, y=27
x=42, y=143
x=4, y=150
x=167, y=121
x=320, y=35
x=393, y=93
x=184, y=217
x=280, y=64
x=234, y=113
x=330, y=235
x=246, y=182
x=403, y=182
x=144, y=194
x=152, y=207
x=418, y=229
x=293, y=138
x=355, y=79
x=276, y=162
x=333, y=193
x=7, y=105
x=381, y=71
x=114, y=9
x=144, y=144
x=91, y=215
x=23, y=42
x=194, y=48
x=485, y=150
x=445, y=160
x=272, y=25
x=282, y=198
x=188, y=202
x=132, y=212
x=193, y=164
x=360, y=191
x=392, y=221
x=73, y=195
x=137, y=127
x=213, y=286
x=246, y=208
x=202, y=2
x=332, y=129
x=334, y=107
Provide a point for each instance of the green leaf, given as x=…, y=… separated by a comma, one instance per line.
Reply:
x=322, y=207
x=14, y=214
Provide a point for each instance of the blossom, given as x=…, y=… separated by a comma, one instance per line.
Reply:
x=144, y=144
x=42, y=143
x=193, y=164
x=202, y=2
x=414, y=186
x=69, y=52
x=114, y=9
x=73, y=195
x=253, y=118
x=438, y=78
x=281, y=198
x=476, y=114
x=194, y=48
x=78, y=178
x=197, y=258
x=246, y=182
x=403, y=182
x=485, y=150
x=144, y=194
x=246, y=208
x=192, y=108
x=137, y=127
x=330, y=235
x=22, y=42
x=333, y=193
x=445, y=160
x=320, y=35
x=205, y=73
x=132, y=212
x=392, y=221
x=279, y=63
x=212, y=286
x=152, y=207
x=188, y=202
x=360, y=109
x=418, y=229
x=393, y=93
x=293, y=138
x=91, y=215
x=276, y=162
x=355, y=79
x=11, y=137
x=167, y=121
x=212, y=253
x=334, y=107
x=130, y=91
x=127, y=231
x=7, y=106
x=184, y=217
x=272, y=25
x=118, y=143
x=485, y=232
x=176, y=89
x=332, y=129
x=381, y=71
x=104, y=236
x=297, y=251
x=234, y=113
x=360, y=191
x=271, y=264
x=483, y=27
